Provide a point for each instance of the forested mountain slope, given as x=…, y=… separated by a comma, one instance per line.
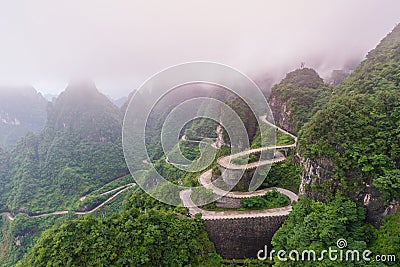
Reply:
x=79, y=150
x=349, y=148
x=146, y=233
x=297, y=97
x=22, y=109
x=353, y=144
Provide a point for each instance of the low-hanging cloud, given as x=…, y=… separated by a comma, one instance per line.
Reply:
x=121, y=43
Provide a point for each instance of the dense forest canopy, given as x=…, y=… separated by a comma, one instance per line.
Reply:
x=349, y=133
x=78, y=151
x=146, y=233
x=358, y=130
x=22, y=110
x=297, y=97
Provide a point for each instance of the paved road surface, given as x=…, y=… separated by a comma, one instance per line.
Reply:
x=205, y=180
x=229, y=214
x=62, y=212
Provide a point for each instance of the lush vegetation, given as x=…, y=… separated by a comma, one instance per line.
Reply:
x=256, y=202
x=198, y=129
x=189, y=150
x=245, y=159
x=272, y=199
x=268, y=136
x=4, y=180
x=23, y=233
x=315, y=225
x=387, y=239
x=297, y=97
x=177, y=175
x=78, y=151
x=356, y=135
x=283, y=139
x=146, y=233
x=318, y=225
x=353, y=137
x=22, y=110
x=246, y=116
x=195, y=129
x=97, y=197
x=285, y=174
x=51, y=171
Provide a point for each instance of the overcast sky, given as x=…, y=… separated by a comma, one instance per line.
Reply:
x=121, y=43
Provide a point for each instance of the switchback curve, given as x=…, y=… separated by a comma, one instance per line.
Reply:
x=205, y=179
x=63, y=212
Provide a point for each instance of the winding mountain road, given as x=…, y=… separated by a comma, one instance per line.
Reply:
x=226, y=162
x=264, y=119
x=205, y=179
x=8, y=214
x=185, y=196
x=106, y=201
x=63, y=212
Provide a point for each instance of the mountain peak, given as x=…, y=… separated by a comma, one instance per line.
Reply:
x=295, y=99
x=81, y=86
x=82, y=108
x=22, y=109
x=304, y=77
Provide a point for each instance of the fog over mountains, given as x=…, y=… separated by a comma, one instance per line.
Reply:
x=121, y=45
x=22, y=109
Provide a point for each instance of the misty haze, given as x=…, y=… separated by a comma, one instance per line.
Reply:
x=199, y=133
x=45, y=44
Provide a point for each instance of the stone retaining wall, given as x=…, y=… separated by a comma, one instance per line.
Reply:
x=228, y=203
x=242, y=238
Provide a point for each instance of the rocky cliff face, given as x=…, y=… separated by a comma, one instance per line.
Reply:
x=282, y=115
x=351, y=145
x=22, y=109
x=81, y=108
x=317, y=181
x=297, y=97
